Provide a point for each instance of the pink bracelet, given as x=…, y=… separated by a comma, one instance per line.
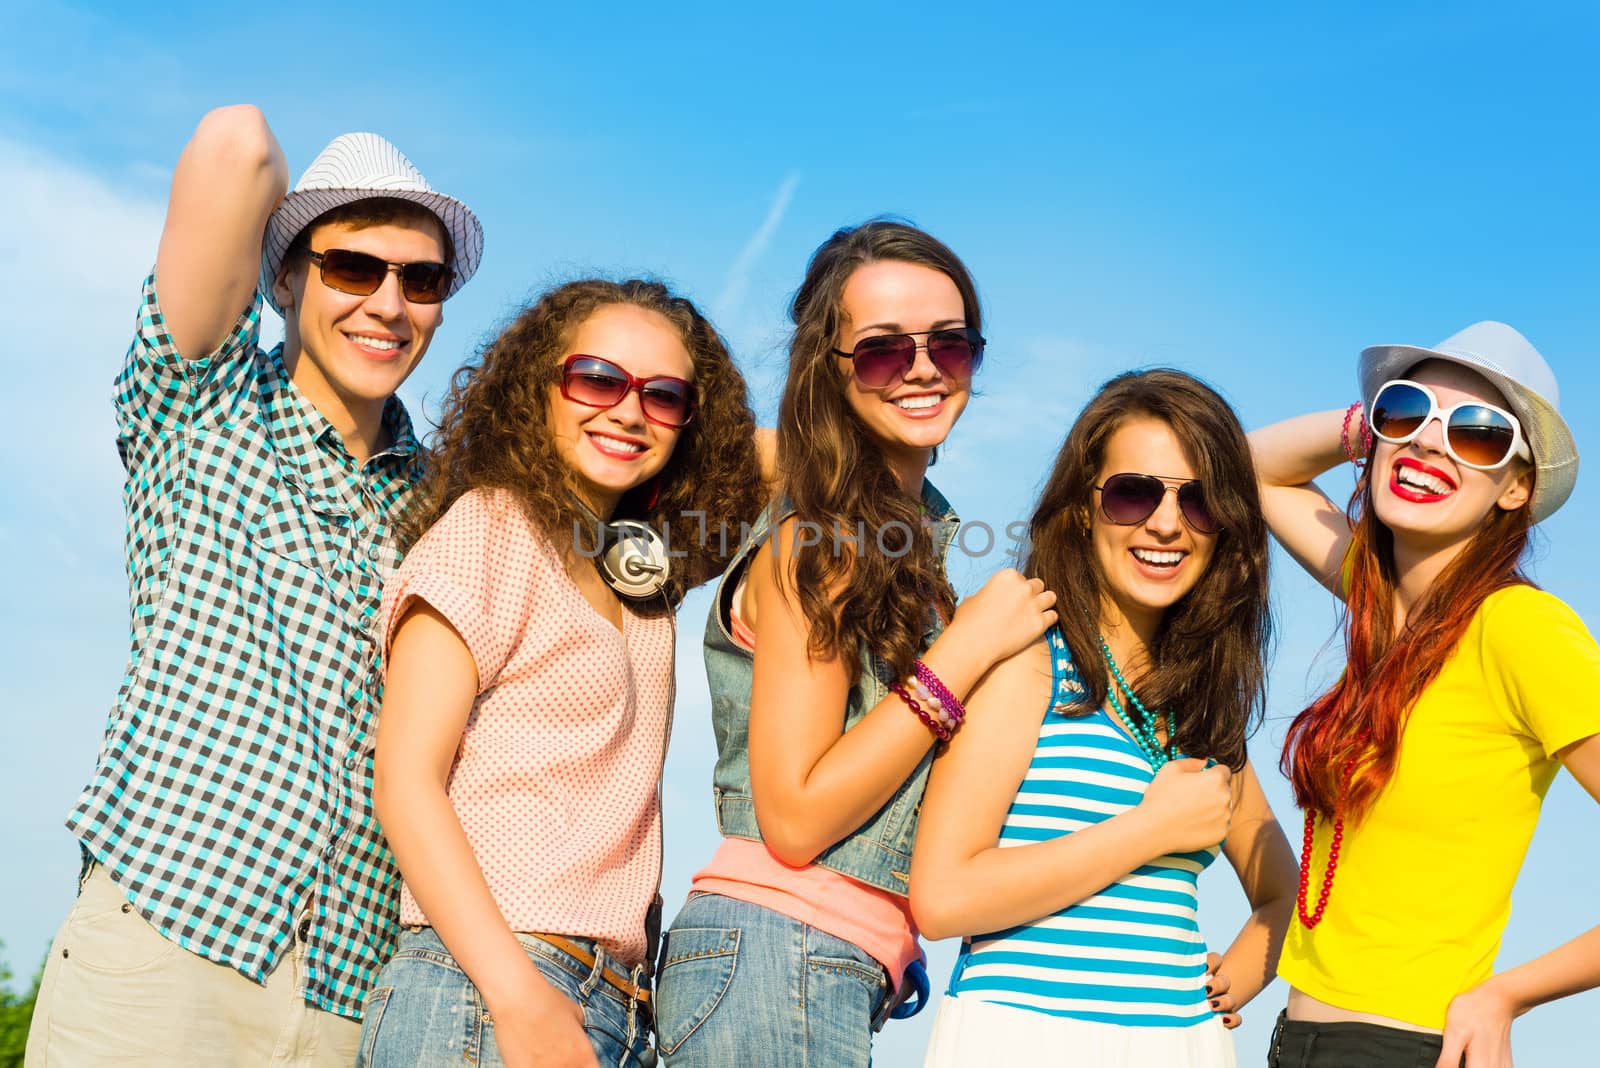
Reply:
x=1365, y=435
x=939, y=730
x=952, y=704
x=932, y=703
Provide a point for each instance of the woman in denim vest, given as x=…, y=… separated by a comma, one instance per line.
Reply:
x=833, y=673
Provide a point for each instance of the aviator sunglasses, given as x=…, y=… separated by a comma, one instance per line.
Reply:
x=1476, y=434
x=360, y=275
x=1127, y=499
x=883, y=358
x=597, y=383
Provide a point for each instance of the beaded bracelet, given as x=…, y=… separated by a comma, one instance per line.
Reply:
x=939, y=730
x=952, y=704
x=932, y=703
x=1365, y=435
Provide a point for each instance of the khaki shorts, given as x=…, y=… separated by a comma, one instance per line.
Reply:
x=116, y=991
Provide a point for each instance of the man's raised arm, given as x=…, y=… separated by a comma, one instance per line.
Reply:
x=231, y=176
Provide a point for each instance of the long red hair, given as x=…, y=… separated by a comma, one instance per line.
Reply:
x=1359, y=722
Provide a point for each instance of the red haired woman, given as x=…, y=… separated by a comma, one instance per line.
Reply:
x=1422, y=771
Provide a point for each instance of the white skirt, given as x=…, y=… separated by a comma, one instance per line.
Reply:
x=968, y=1033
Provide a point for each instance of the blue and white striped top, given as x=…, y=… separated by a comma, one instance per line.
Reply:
x=1131, y=954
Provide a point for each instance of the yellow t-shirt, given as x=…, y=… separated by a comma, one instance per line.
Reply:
x=1423, y=888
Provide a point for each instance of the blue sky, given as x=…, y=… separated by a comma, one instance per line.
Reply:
x=1251, y=196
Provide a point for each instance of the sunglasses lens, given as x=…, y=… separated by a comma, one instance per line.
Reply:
x=880, y=360
x=360, y=274
x=424, y=283
x=667, y=401
x=955, y=353
x=594, y=382
x=352, y=272
x=602, y=384
x=1130, y=499
x=1192, y=500
x=1399, y=410
x=1480, y=436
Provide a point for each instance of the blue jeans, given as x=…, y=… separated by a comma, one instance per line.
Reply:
x=424, y=1011
x=743, y=985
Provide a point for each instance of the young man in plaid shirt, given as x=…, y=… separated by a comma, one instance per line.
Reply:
x=236, y=896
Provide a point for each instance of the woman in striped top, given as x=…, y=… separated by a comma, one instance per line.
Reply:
x=1104, y=767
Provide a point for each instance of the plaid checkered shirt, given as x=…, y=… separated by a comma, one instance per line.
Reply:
x=231, y=800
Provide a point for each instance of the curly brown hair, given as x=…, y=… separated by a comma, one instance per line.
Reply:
x=836, y=475
x=1208, y=662
x=494, y=432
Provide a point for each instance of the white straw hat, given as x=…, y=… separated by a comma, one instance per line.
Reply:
x=361, y=166
x=1507, y=359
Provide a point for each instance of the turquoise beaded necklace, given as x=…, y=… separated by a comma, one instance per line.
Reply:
x=1143, y=731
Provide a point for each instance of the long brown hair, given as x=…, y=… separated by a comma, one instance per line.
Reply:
x=836, y=475
x=1208, y=660
x=1358, y=723
x=494, y=432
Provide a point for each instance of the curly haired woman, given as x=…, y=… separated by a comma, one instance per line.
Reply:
x=1467, y=688
x=527, y=703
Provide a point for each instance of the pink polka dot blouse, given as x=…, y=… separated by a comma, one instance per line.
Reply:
x=556, y=778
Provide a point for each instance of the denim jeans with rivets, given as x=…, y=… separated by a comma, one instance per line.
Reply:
x=743, y=985
x=424, y=1011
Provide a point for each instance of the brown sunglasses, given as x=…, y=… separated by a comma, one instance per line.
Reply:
x=360, y=274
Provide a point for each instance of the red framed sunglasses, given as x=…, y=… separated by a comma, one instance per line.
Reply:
x=598, y=383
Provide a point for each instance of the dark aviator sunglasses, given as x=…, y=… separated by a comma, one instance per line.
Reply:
x=1128, y=499
x=885, y=358
x=360, y=274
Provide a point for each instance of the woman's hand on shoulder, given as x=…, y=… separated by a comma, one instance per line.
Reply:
x=1007, y=615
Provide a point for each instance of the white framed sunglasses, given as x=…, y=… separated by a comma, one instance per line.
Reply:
x=1476, y=434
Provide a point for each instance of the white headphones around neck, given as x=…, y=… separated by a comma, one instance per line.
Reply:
x=633, y=559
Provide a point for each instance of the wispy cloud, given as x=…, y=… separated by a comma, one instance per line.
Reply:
x=70, y=267
x=738, y=281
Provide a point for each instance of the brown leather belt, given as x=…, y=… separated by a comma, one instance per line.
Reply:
x=616, y=980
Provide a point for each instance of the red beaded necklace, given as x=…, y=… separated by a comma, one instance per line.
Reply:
x=1312, y=919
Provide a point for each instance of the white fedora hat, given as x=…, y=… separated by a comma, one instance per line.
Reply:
x=1507, y=359
x=361, y=166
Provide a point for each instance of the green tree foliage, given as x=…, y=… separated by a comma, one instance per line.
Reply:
x=15, y=1012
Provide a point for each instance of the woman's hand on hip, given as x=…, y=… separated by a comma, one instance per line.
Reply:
x=1477, y=1029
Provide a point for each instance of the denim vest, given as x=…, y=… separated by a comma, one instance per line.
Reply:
x=878, y=852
